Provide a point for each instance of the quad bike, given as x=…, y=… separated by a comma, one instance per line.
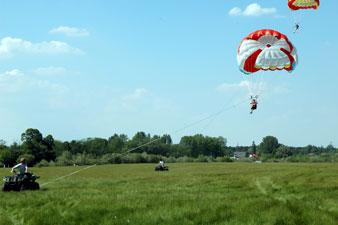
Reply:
x=161, y=168
x=20, y=182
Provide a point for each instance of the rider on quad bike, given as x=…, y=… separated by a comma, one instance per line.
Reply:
x=22, y=180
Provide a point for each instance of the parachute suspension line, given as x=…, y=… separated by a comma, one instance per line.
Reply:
x=223, y=107
x=68, y=175
x=255, y=84
x=261, y=84
x=248, y=83
x=297, y=19
x=142, y=145
x=190, y=125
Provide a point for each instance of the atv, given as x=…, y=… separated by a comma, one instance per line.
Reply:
x=20, y=182
x=161, y=168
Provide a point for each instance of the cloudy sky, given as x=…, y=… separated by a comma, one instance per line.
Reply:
x=102, y=67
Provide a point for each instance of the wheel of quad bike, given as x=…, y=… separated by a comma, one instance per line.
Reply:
x=6, y=188
x=22, y=187
x=35, y=186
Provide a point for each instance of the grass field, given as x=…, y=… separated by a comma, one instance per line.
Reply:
x=190, y=193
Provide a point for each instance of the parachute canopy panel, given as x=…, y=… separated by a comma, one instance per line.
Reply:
x=266, y=50
x=303, y=4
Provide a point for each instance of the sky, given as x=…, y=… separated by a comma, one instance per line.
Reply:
x=95, y=68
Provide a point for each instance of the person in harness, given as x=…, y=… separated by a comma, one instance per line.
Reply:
x=296, y=28
x=253, y=105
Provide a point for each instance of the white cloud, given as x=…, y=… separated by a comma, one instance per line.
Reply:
x=70, y=31
x=236, y=11
x=138, y=95
x=11, y=46
x=50, y=71
x=14, y=81
x=253, y=9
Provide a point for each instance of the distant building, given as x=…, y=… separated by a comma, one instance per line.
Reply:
x=239, y=155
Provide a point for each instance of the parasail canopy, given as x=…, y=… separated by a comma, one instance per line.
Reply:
x=266, y=50
x=303, y=4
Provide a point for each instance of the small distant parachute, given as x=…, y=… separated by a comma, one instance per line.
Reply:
x=303, y=4
x=266, y=50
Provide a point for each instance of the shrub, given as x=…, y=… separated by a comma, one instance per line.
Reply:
x=224, y=159
x=65, y=159
x=184, y=159
x=43, y=163
x=170, y=159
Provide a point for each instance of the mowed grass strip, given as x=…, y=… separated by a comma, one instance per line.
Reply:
x=190, y=193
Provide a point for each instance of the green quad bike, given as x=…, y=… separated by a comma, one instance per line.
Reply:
x=21, y=182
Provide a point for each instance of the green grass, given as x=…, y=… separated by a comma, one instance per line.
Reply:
x=191, y=193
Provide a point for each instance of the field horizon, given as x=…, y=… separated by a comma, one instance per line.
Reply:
x=189, y=193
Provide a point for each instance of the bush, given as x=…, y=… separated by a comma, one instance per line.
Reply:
x=65, y=159
x=170, y=159
x=84, y=159
x=224, y=159
x=151, y=158
x=116, y=158
x=184, y=159
x=43, y=163
x=137, y=158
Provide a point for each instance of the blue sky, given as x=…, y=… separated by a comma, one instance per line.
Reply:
x=103, y=67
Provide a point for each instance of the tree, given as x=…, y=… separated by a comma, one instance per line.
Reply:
x=269, y=145
x=204, y=145
x=95, y=146
x=139, y=139
x=117, y=143
x=330, y=148
x=282, y=152
x=34, y=144
x=253, y=148
x=48, y=148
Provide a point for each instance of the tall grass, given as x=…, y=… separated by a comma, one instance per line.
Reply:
x=190, y=193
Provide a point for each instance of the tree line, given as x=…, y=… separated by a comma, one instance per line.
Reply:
x=142, y=148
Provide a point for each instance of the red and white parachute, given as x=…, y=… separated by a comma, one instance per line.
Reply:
x=266, y=50
x=303, y=4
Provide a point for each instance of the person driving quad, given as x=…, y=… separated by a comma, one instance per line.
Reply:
x=161, y=163
x=20, y=168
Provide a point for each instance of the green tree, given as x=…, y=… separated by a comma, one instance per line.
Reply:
x=253, y=148
x=117, y=143
x=139, y=139
x=95, y=146
x=34, y=144
x=282, y=152
x=269, y=145
x=48, y=148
